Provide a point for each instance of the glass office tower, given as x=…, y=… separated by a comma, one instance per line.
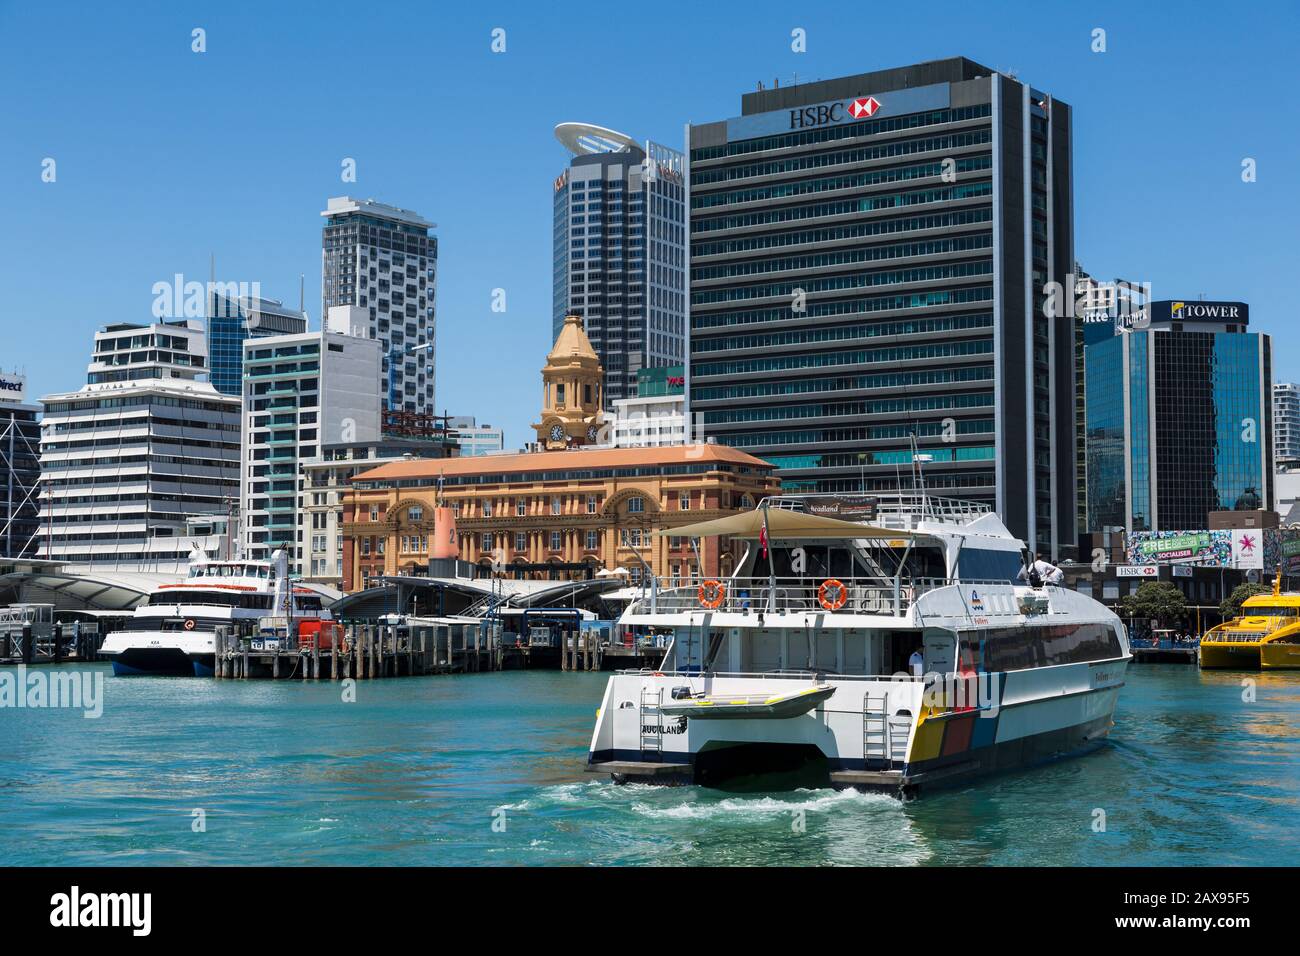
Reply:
x=620, y=252
x=1179, y=422
x=869, y=257
x=232, y=320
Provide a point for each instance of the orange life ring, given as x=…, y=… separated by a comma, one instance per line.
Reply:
x=189, y=624
x=840, y=594
x=712, y=594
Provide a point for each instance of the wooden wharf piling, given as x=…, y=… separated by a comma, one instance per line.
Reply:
x=365, y=652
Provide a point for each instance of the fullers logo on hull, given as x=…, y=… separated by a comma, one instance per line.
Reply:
x=862, y=107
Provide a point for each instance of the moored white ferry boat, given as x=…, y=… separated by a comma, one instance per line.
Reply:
x=801, y=657
x=174, y=631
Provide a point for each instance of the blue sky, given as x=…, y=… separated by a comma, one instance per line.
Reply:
x=164, y=155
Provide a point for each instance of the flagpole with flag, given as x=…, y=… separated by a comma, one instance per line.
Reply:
x=764, y=541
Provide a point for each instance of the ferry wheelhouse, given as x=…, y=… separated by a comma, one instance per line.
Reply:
x=1264, y=636
x=174, y=631
x=901, y=649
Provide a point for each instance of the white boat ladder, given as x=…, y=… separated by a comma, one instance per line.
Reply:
x=875, y=727
x=883, y=737
x=650, y=723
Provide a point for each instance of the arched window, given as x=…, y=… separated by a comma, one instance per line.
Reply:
x=636, y=505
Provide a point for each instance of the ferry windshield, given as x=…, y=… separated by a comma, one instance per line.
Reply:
x=984, y=564
x=222, y=598
x=1269, y=611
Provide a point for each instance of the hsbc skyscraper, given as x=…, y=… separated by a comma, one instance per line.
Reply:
x=868, y=260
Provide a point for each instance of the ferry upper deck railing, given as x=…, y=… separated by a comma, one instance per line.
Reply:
x=754, y=595
x=862, y=596
x=892, y=510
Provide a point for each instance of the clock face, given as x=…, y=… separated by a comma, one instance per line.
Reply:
x=591, y=433
x=557, y=433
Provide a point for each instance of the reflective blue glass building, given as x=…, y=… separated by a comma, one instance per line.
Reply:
x=233, y=319
x=1179, y=418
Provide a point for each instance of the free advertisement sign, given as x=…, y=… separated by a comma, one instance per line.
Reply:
x=1178, y=547
x=1290, y=552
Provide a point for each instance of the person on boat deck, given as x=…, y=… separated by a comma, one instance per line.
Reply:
x=916, y=663
x=1041, y=572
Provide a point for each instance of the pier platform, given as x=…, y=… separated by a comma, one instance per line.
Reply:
x=366, y=652
x=1164, y=652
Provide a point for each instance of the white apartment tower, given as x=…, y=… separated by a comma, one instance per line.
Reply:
x=383, y=261
x=301, y=392
x=1286, y=422
x=138, y=451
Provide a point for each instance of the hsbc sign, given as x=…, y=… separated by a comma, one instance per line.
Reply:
x=810, y=117
x=856, y=108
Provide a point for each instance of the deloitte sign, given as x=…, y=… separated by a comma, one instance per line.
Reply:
x=12, y=387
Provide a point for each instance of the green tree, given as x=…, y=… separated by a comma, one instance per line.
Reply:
x=1158, y=601
x=1230, y=606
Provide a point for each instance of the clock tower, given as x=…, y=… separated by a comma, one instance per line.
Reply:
x=572, y=397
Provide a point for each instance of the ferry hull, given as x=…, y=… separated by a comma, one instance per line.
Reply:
x=152, y=661
x=1279, y=656
x=160, y=654
x=1030, y=724
x=1259, y=655
x=1237, y=655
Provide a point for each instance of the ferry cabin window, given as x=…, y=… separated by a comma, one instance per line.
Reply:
x=921, y=562
x=1014, y=649
x=1248, y=611
x=985, y=564
x=225, y=599
x=819, y=562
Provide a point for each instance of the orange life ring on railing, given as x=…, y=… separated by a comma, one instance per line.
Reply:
x=832, y=594
x=712, y=594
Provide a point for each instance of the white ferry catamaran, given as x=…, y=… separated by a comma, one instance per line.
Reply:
x=899, y=650
x=174, y=631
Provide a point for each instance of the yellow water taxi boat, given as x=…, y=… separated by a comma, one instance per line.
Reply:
x=1265, y=636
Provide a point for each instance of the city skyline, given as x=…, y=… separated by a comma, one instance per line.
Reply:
x=1160, y=116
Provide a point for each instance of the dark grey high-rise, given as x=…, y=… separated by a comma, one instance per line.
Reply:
x=620, y=251
x=868, y=262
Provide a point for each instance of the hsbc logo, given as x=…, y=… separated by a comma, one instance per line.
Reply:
x=863, y=107
x=810, y=117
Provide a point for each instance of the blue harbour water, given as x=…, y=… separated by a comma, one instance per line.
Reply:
x=417, y=771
